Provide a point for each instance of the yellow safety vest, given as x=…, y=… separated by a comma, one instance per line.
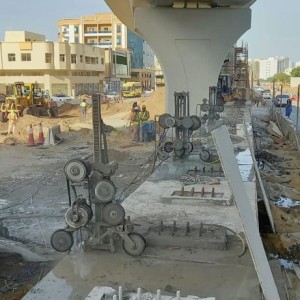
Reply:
x=83, y=104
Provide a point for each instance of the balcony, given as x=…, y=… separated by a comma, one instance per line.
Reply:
x=98, y=33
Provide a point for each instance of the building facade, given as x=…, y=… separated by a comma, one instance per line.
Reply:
x=105, y=30
x=57, y=67
x=273, y=65
x=145, y=77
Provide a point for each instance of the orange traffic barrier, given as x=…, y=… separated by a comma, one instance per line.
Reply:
x=30, y=137
x=41, y=138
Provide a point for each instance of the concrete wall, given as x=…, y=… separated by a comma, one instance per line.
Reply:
x=287, y=127
x=191, y=45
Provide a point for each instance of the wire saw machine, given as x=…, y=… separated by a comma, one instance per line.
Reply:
x=99, y=215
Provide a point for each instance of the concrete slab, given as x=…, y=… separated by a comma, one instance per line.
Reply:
x=79, y=273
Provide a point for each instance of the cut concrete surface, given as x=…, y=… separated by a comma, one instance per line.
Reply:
x=16, y=247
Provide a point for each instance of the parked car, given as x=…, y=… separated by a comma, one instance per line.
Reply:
x=281, y=100
x=266, y=94
x=61, y=97
x=113, y=96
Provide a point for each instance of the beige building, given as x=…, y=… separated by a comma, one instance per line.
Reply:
x=103, y=30
x=57, y=67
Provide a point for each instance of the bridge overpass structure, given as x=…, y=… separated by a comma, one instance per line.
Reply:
x=190, y=38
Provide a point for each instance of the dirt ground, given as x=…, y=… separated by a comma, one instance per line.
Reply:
x=33, y=188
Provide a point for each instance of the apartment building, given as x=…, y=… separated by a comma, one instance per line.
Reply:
x=105, y=30
x=57, y=67
x=273, y=65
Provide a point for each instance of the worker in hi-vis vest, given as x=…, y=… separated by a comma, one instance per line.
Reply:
x=83, y=108
x=12, y=120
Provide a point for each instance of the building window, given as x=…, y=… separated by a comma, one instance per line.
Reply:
x=118, y=28
x=102, y=61
x=25, y=56
x=76, y=40
x=76, y=29
x=11, y=57
x=73, y=58
x=62, y=57
x=119, y=40
x=105, y=29
x=48, y=58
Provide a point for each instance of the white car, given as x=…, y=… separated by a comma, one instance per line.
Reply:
x=61, y=97
x=266, y=94
x=113, y=96
x=281, y=100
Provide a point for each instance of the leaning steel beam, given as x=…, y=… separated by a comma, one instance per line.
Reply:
x=225, y=150
x=265, y=198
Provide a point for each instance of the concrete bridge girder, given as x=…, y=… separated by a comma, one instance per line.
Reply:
x=191, y=45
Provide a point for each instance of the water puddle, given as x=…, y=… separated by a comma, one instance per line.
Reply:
x=286, y=202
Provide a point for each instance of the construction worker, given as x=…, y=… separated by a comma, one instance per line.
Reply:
x=12, y=120
x=83, y=108
x=134, y=123
x=143, y=116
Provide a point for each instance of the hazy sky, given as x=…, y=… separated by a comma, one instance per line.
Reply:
x=275, y=23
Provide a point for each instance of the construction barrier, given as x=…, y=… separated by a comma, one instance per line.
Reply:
x=53, y=136
x=41, y=138
x=30, y=142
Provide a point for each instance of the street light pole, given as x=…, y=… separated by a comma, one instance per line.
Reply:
x=298, y=95
x=281, y=99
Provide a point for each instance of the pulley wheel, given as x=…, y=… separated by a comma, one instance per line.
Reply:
x=219, y=108
x=204, y=155
x=166, y=121
x=80, y=219
x=168, y=147
x=113, y=214
x=204, y=100
x=188, y=146
x=105, y=191
x=177, y=144
x=76, y=170
x=204, y=107
x=196, y=122
x=89, y=210
x=62, y=240
x=139, y=244
x=187, y=122
x=217, y=116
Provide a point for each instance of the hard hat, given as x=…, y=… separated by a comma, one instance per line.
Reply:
x=143, y=106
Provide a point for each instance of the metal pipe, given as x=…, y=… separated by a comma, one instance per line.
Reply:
x=297, y=117
x=158, y=295
x=114, y=297
x=120, y=293
x=139, y=292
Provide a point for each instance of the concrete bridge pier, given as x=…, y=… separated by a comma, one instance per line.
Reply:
x=191, y=45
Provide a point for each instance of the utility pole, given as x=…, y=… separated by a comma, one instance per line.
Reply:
x=297, y=117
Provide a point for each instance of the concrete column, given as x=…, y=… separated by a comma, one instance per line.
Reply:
x=191, y=45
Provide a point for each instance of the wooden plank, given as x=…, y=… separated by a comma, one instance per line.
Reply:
x=225, y=150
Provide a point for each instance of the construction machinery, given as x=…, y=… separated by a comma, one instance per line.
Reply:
x=28, y=99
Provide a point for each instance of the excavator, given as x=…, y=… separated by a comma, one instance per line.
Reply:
x=28, y=99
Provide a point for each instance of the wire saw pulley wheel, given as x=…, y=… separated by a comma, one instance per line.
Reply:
x=217, y=116
x=204, y=155
x=62, y=240
x=105, y=191
x=196, y=122
x=189, y=147
x=187, y=122
x=113, y=214
x=76, y=170
x=168, y=147
x=204, y=107
x=136, y=246
x=166, y=121
x=177, y=144
x=179, y=152
x=78, y=215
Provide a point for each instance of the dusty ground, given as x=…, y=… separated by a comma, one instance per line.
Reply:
x=34, y=194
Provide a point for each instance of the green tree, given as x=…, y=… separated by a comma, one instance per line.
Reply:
x=281, y=78
x=295, y=72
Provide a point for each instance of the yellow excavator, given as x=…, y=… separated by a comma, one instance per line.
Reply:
x=28, y=99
